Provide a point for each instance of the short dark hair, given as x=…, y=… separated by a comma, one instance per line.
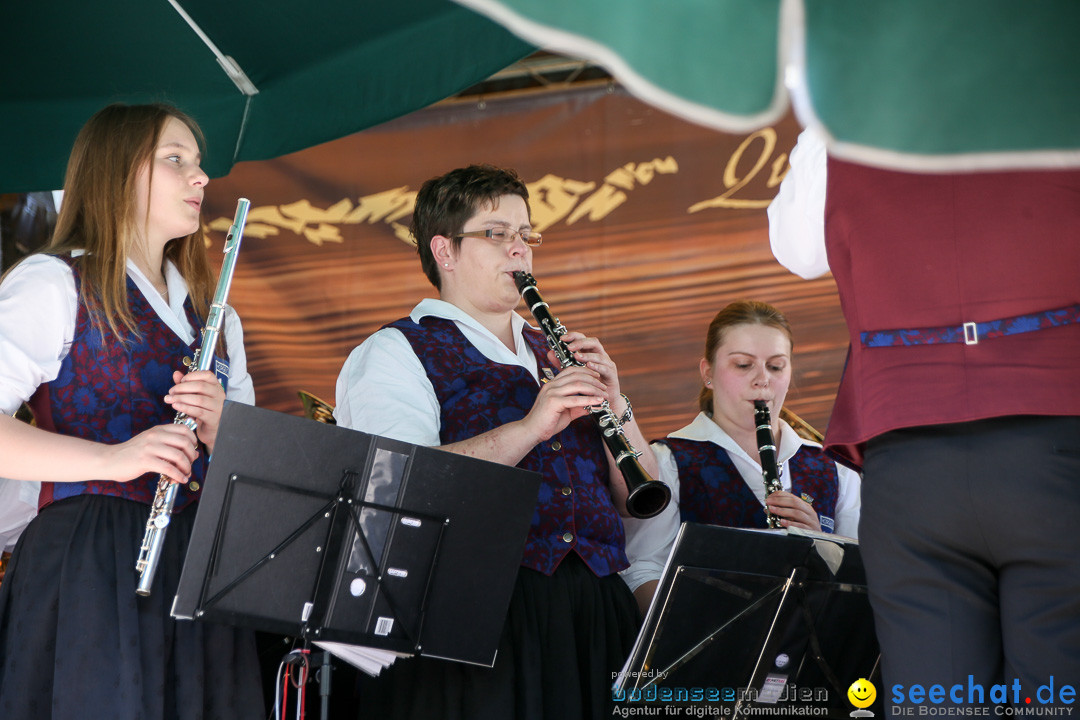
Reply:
x=445, y=203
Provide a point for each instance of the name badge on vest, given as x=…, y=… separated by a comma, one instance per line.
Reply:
x=221, y=369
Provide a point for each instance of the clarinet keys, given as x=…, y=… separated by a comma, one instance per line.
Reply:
x=647, y=497
x=767, y=453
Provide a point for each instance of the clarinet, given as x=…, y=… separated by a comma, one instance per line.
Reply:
x=647, y=497
x=767, y=453
x=165, y=497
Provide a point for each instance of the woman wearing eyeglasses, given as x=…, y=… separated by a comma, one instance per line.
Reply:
x=467, y=373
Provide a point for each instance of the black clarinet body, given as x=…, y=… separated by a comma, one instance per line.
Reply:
x=767, y=452
x=647, y=497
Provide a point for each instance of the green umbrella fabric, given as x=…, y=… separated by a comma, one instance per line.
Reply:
x=919, y=85
x=262, y=77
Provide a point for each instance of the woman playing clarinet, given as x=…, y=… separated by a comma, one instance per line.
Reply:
x=714, y=465
x=467, y=373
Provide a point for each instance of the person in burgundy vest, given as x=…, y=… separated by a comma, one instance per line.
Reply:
x=467, y=373
x=93, y=333
x=961, y=401
x=713, y=465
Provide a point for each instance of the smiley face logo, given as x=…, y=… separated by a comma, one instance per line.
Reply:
x=862, y=693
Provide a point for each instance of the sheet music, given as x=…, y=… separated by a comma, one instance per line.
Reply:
x=370, y=660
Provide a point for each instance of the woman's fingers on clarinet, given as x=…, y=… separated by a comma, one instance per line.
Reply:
x=579, y=341
x=580, y=375
x=794, y=515
x=601, y=365
x=555, y=401
x=782, y=505
x=590, y=348
x=585, y=388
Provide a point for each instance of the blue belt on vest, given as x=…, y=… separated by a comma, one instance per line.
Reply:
x=970, y=333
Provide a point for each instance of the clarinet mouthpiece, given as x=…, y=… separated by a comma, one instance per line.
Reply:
x=523, y=280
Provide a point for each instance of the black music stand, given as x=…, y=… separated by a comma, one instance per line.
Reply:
x=747, y=620
x=333, y=535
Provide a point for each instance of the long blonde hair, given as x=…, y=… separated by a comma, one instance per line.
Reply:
x=98, y=213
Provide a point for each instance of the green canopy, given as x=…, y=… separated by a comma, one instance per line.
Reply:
x=262, y=77
x=912, y=84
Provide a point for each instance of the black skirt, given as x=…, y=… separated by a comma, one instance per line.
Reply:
x=564, y=639
x=77, y=642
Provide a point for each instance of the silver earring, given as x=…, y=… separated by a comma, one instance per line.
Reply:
x=446, y=264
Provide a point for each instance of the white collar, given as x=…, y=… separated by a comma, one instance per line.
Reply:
x=433, y=307
x=703, y=429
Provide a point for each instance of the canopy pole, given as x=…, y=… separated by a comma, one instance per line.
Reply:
x=230, y=66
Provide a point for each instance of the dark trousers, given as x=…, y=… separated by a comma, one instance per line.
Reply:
x=971, y=538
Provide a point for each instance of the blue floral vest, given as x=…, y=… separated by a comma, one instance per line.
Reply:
x=711, y=490
x=574, y=510
x=109, y=393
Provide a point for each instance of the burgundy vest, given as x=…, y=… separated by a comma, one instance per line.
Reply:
x=109, y=392
x=574, y=509
x=712, y=491
x=929, y=251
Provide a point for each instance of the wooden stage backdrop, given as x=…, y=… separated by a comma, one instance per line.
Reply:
x=651, y=225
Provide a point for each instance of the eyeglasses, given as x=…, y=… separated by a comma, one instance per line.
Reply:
x=504, y=235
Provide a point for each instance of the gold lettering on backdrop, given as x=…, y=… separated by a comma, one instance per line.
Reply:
x=779, y=170
x=734, y=182
x=552, y=199
x=390, y=206
x=598, y=205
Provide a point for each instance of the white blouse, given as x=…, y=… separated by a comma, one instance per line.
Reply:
x=383, y=388
x=38, y=309
x=648, y=542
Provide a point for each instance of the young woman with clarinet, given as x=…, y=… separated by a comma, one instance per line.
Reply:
x=738, y=463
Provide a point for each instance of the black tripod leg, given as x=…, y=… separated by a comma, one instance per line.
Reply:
x=324, y=686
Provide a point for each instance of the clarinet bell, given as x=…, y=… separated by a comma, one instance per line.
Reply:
x=648, y=499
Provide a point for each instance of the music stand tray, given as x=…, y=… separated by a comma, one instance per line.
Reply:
x=334, y=535
x=750, y=619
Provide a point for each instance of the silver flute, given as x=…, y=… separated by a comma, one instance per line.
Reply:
x=165, y=497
